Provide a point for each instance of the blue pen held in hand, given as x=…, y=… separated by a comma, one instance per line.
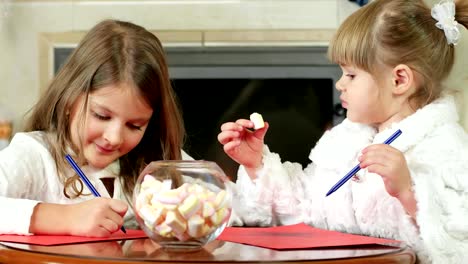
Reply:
x=85, y=180
x=350, y=174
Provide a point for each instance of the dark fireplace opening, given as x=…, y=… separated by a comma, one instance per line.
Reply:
x=298, y=111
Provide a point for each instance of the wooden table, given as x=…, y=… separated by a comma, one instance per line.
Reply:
x=144, y=250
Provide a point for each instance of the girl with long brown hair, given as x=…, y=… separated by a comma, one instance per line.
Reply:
x=111, y=107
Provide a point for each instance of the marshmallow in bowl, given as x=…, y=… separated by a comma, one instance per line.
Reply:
x=189, y=211
x=257, y=119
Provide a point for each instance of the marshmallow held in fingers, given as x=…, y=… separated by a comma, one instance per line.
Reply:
x=257, y=119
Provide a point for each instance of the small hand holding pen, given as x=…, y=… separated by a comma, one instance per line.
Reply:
x=354, y=170
x=85, y=180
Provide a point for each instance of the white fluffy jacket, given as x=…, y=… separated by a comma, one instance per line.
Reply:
x=436, y=150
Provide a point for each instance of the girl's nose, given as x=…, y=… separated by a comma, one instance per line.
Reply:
x=339, y=85
x=113, y=134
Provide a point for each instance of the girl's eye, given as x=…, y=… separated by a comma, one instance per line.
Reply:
x=351, y=76
x=100, y=117
x=134, y=127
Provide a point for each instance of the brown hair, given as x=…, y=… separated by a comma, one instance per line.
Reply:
x=392, y=32
x=113, y=52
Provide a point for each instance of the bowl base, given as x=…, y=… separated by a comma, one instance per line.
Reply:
x=178, y=246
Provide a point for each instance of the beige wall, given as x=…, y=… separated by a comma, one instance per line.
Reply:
x=32, y=27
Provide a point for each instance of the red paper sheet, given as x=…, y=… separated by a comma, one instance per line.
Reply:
x=49, y=240
x=296, y=236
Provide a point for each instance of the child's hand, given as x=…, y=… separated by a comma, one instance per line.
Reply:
x=99, y=217
x=242, y=145
x=389, y=163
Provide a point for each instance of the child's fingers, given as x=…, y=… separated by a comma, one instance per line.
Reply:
x=370, y=159
x=260, y=133
x=231, y=146
x=110, y=225
x=377, y=168
x=376, y=154
x=100, y=232
x=228, y=126
x=245, y=123
x=114, y=217
x=227, y=136
x=231, y=126
x=118, y=206
x=379, y=148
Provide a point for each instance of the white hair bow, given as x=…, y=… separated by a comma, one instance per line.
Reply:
x=444, y=13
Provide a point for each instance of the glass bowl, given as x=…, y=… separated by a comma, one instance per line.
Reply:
x=182, y=205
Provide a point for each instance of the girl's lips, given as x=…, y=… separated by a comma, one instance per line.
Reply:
x=104, y=150
x=343, y=101
x=344, y=104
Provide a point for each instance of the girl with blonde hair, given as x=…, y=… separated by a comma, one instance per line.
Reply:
x=395, y=56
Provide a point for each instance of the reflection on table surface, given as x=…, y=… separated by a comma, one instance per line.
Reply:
x=215, y=251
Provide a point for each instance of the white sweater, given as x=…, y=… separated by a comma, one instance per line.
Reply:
x=28, y=176
x=436, y=150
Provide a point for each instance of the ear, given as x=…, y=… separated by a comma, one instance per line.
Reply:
x=402, y=78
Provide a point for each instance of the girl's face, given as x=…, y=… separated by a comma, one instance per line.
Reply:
x=114, y=123
x=366, y=102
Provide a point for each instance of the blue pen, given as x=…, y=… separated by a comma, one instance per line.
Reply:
x=350, y=174
x=86, y=180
